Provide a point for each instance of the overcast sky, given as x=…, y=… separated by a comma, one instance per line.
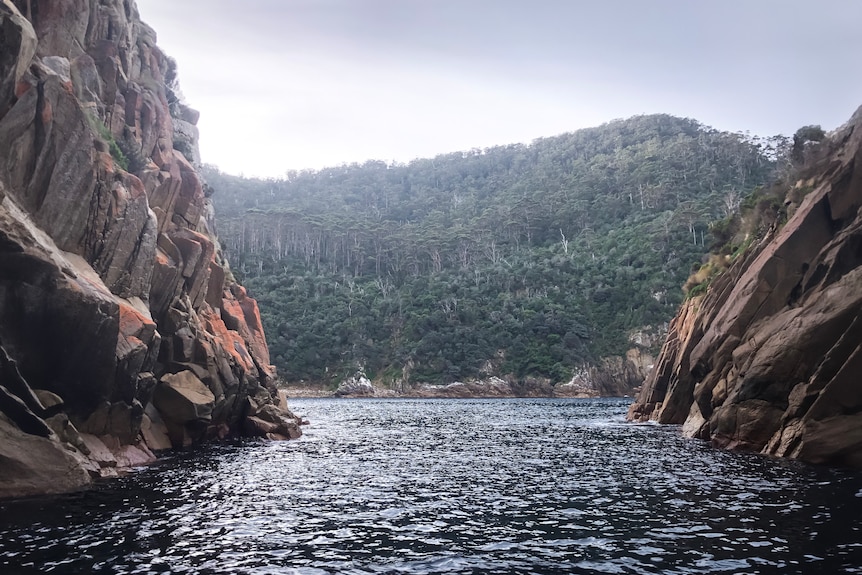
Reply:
x=293, y=84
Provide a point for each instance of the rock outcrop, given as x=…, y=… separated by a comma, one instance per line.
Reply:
x=121, y=331
x=357, y=385
x=769, y=360
x=616, y=376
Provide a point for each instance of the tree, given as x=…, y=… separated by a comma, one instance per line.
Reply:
x=803, y=137
x=532, y=258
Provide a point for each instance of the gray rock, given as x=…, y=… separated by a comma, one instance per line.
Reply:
x=60, y=66
x=35, y=465
x=357, y=385
x=17, y=48
x=182, y=397
x=87, y=82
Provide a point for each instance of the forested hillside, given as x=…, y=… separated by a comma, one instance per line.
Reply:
x=520, y=260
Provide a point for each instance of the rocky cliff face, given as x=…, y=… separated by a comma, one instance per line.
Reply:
x=616, y=376
x=770, y=359
x=121, y=331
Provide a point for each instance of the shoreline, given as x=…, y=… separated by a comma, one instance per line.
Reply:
x=443, y=393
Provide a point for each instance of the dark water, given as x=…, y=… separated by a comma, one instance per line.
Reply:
x=497, y=486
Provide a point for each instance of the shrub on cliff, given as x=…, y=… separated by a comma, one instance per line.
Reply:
x=105, y=134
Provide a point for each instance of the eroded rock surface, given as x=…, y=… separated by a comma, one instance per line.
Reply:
x=770, y=359
x=115, y=303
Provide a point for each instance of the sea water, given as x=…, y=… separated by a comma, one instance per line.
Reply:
x=451, y=486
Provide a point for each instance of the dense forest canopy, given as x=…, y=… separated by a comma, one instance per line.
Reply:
x=521, y=260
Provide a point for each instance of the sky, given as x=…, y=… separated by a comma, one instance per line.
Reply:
x=297, y=84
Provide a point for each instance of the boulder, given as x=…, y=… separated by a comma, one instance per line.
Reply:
x=118, y=419
x=357, y=385
x=272, y=422
x=60, y=66
x=67, y=432
x=182, y=397
x=132, y=456
x=34, y=465
x=50, y=401
x=154, y=430
x=99, y=452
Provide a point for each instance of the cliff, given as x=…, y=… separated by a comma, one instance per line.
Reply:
x=121, y=332
x=769, y=359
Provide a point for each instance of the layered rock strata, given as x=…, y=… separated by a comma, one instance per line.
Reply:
x=121, y=332
x=770, y=359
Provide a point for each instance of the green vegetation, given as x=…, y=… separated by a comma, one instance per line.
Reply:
x=702, y=276
x=106, y=135
x=524, y=259
x=765, y=208
x=803, y=137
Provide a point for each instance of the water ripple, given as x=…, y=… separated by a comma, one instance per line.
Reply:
x=484, y=486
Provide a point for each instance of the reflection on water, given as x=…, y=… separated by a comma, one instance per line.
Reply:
x=451, y=486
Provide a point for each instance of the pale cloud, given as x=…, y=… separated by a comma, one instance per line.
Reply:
x=292, y=84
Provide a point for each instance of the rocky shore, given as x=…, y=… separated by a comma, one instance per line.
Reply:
x=769, y=359
x=614, y=376
x=122, y=332
x=492, y=387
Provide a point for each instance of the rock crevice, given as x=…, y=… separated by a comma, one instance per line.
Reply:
x=769, y=359
x=112, y=288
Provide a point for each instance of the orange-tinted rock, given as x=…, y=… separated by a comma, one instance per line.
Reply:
x=230, y=340
x=196, y=252
x=189, y=203
x=242, y=314
x=215, y=287
x=138, y=345
x=769, y=359
x=111, y=283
